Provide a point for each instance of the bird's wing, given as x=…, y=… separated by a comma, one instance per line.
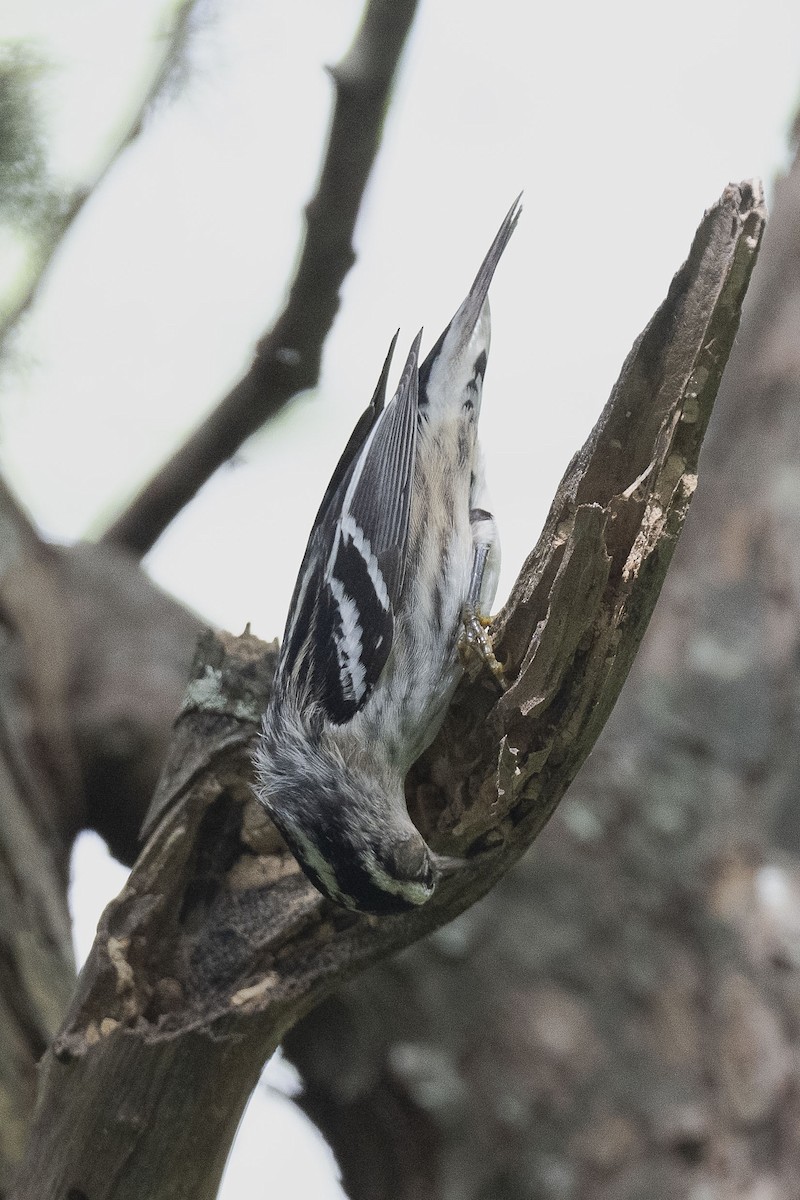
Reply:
x=342, y=618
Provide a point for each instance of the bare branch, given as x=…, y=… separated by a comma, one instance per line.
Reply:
x=287, y=359
x=170, y=64
x=218, y=944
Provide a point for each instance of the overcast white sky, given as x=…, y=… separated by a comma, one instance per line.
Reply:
x=621, y=121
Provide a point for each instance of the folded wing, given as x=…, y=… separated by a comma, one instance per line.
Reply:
x=342, y=626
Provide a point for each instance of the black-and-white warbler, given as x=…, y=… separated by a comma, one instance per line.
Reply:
x=402, y=561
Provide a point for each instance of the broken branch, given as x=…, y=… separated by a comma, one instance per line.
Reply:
x=218, y=943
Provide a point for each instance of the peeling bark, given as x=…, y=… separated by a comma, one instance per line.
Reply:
x=93, y=660
x=619, y=1018
x=218, y=944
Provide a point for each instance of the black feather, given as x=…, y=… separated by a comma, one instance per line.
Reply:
x=381, y=500
x=341, y=624
x=302, y=620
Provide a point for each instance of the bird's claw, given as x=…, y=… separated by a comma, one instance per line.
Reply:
x=475, y=647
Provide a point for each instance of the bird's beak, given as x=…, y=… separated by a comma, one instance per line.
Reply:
x=445, y=865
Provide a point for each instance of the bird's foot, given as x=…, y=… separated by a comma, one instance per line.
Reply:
x=475, y=647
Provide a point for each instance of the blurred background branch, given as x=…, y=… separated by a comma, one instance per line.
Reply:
x=288, y=357
x=94, y=656
x=27, y=195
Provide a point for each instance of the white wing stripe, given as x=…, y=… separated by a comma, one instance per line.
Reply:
x=349, y=647
x=353, y=531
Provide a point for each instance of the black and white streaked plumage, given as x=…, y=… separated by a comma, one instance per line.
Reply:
x=403, y=547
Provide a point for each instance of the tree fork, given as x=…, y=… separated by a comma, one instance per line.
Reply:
x=218, y=944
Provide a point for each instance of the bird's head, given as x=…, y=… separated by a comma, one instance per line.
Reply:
x=364, y=872
x=347, y=826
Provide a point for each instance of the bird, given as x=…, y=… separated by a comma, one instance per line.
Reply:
x=398, y=576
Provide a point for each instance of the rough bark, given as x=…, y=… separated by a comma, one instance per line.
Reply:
x=619, y=1019
x=218, y=944
x=93, y=660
